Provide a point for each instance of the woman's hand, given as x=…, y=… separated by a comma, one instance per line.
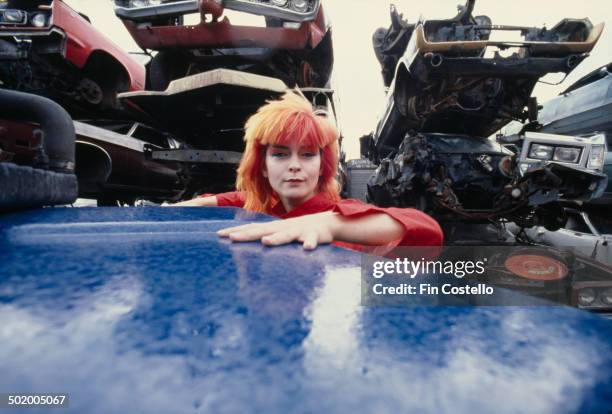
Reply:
x=310, y=230
x=314, y=229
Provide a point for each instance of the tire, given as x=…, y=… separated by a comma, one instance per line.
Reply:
x=27, y=187
x=103, y=88
x=165, y=67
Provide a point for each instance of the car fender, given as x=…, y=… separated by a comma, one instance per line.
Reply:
x=83, y=39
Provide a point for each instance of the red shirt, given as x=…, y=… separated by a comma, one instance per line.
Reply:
x=419, y=228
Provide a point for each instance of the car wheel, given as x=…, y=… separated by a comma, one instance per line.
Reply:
x=90, y=91
x=100, y=93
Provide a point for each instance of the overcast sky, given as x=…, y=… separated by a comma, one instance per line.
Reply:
x=357, y=78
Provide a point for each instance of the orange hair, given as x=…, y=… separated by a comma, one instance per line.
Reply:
x=278, y=123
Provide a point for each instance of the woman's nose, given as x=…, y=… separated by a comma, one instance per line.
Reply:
x=294, y=164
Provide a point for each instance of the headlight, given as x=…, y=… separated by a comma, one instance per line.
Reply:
x=145, y=10
x=541, y=152
x=287, y=10
x=13, y=16
x=39, y=20
x=606, y=297
x=598, y=296
x=567, y=154
x=299, y=5
x=144, y=3
x=596, y=157
x=587, y=152
x=586, y=297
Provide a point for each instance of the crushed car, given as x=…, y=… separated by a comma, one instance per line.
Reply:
x=111, y=162
x=295, y=45
x=583, y=109
x=109, y=299
x=449, y=88
x=49, y=49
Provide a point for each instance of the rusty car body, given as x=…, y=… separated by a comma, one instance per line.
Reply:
x=111, y=162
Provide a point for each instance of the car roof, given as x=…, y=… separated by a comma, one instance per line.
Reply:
x=589, y=78
x=147, y=310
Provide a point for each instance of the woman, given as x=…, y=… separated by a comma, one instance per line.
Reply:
x=289, y=171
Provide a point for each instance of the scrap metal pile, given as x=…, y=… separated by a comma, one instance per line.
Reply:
x=450, y=86
x=173, y=128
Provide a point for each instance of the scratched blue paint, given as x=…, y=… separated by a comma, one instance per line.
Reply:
x=146, y=311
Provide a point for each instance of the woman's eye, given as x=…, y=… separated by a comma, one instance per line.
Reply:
x=279, y=154
x=309, y=154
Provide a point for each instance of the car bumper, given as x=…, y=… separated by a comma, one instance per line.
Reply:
x=192, y=6
x=43, y=41
x=224, y=34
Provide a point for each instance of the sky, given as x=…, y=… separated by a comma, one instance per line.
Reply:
x=357, y=78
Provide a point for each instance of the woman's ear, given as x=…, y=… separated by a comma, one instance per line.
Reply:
x=264, y=170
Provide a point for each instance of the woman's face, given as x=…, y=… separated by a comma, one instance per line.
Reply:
x=293, y=172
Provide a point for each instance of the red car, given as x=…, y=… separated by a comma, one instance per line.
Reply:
x=50, y=49
x=295, y=45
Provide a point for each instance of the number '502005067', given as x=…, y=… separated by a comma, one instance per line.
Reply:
x=58, y=399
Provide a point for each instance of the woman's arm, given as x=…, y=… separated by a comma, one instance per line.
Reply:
x=231, y=199
x=373, y=229
x=210, y=201
x=314, y=229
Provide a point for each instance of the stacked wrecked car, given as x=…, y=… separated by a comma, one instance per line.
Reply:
x=449, y=89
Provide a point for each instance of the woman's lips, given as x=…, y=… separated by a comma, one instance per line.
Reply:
x=294, y=182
